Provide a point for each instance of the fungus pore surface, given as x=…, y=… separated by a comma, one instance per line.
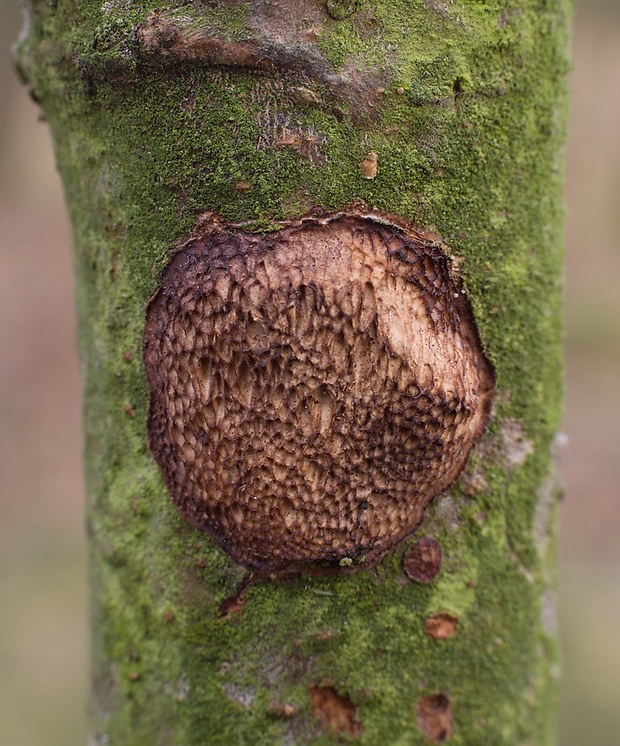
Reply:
x=314, y=388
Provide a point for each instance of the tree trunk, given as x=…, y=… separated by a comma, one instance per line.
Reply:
x=234, y=134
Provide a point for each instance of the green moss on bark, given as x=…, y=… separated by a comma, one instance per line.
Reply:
x=469, y=134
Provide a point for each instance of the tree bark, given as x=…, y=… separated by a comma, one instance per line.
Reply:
x=437, y=119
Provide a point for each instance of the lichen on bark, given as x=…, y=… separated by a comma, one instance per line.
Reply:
x=463, y=106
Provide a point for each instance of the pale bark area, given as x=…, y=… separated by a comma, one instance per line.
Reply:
x=450, y=116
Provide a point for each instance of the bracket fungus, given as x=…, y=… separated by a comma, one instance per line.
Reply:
x=314, y=388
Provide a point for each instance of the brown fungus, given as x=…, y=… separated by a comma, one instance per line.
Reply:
x=314, y=388
x=434, y=717
x=336, y=713
x=369, y=166
x=422, y=561
x=441, y=626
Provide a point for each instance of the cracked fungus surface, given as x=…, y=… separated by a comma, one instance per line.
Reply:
x=312, y=389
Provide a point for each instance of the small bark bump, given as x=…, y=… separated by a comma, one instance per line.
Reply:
x=341, y=9
x=434, y=717
x=441, y=626
x=422, y=560
x=232, y=605
x=369, y=166
x=336, y=712
x=282, y=710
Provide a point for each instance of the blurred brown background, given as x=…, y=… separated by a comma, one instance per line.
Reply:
x=43, y=589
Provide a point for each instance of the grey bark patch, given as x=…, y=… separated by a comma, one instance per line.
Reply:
x=515, y=448
x=549, y=612
x=541, y=525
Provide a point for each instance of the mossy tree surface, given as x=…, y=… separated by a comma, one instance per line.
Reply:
x=464, y=105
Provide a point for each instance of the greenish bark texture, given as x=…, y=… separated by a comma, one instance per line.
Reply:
x=263, y=111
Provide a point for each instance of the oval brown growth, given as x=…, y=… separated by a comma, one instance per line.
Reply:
x=441, y=626
x=313, y=389
x=422, y=561
x=434, y=716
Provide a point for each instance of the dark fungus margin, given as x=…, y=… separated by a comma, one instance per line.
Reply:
x=314, y=388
